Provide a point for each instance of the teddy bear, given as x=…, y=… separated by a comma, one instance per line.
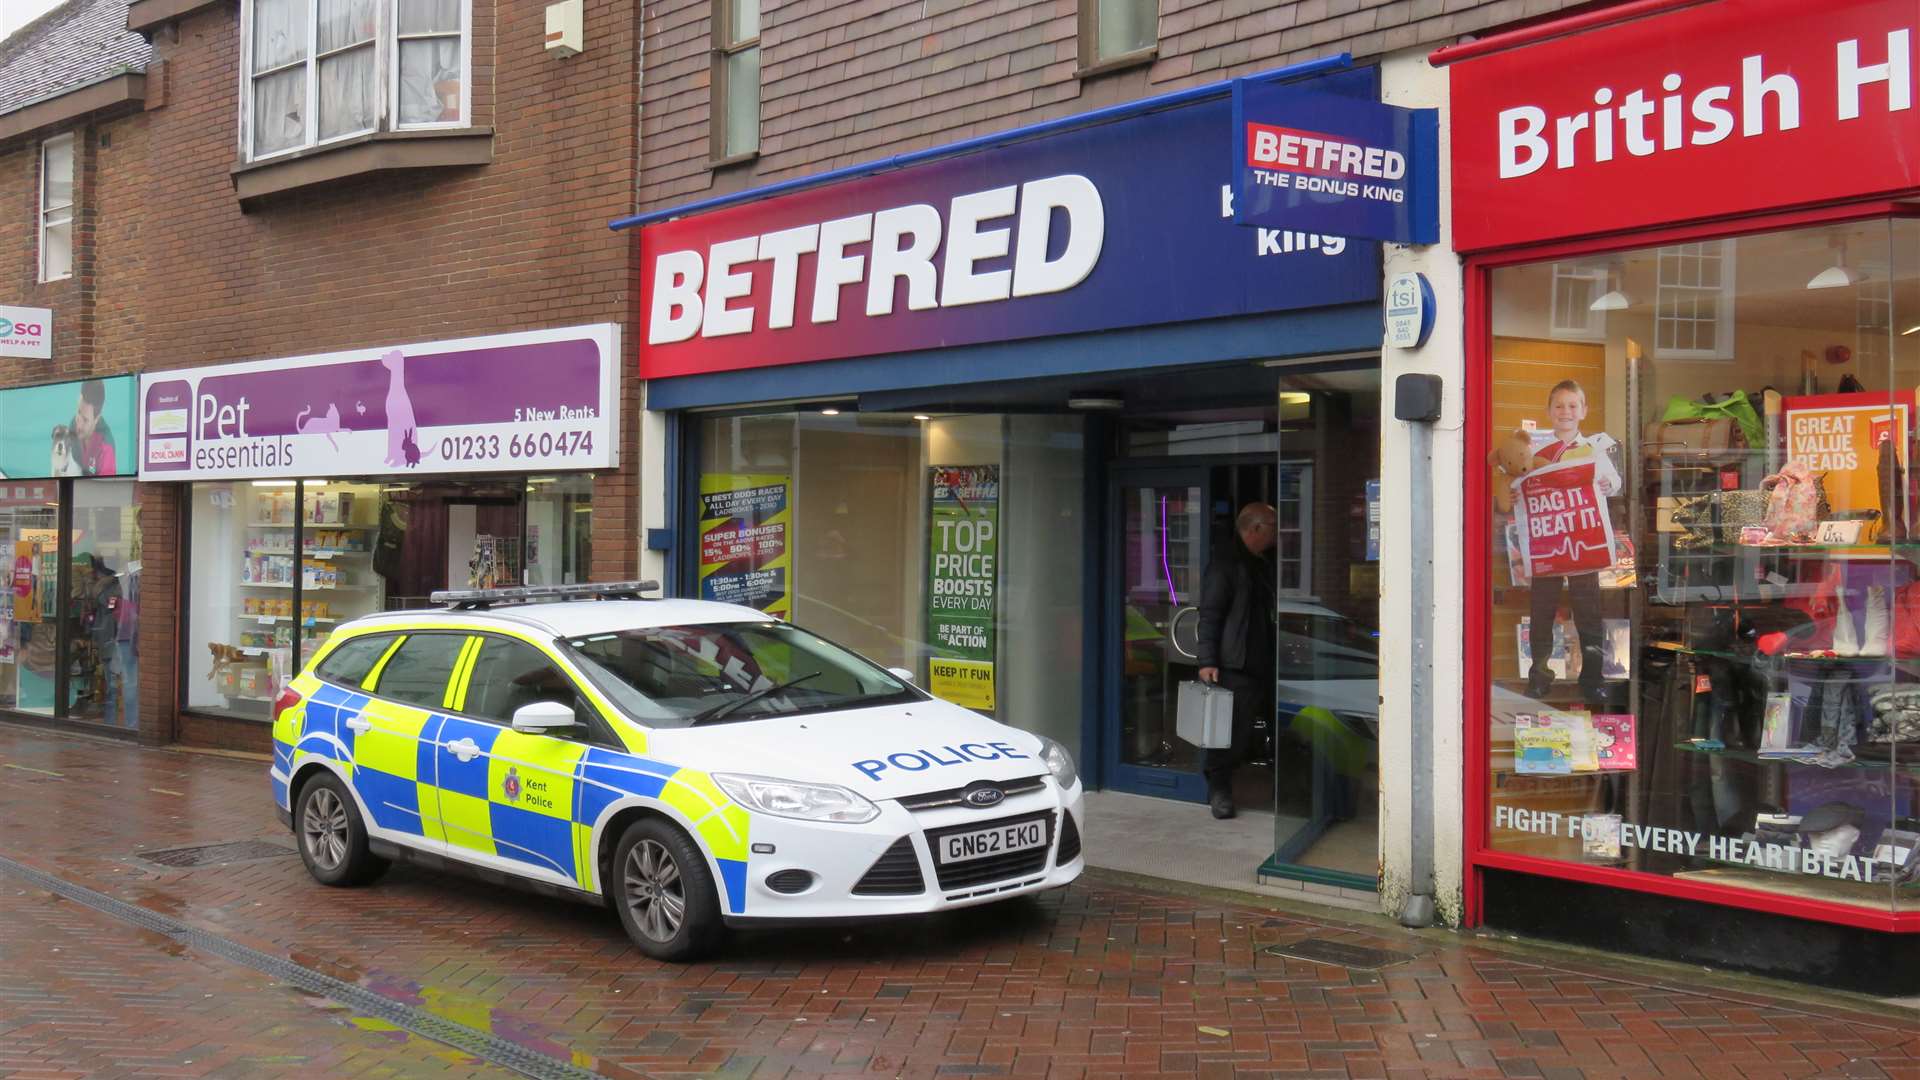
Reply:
x=1513, y=458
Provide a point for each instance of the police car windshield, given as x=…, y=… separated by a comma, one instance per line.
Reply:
x=678, y=676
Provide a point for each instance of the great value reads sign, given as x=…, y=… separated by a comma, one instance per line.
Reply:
x=544, y=399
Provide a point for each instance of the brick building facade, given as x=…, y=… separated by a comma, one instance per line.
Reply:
x=184, y=254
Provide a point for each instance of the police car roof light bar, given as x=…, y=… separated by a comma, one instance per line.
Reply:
x=478, y=599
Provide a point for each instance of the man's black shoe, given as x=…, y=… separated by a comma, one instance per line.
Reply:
x=1222, y=804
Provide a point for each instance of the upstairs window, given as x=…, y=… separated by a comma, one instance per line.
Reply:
x=1118, y=31
x=56, y=208
x=736, y=78
x=324, y=70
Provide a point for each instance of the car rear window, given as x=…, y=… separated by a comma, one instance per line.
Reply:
x=349, y=664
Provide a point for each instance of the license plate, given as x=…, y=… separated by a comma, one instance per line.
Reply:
x=996, y=840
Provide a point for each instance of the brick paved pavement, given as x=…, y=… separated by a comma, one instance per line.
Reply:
x=1093, y=980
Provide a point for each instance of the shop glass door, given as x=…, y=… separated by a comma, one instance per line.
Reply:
x=1325, y=757
x=1162, y=532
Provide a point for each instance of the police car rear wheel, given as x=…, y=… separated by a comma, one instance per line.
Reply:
x=664, y=892
x=333, y=841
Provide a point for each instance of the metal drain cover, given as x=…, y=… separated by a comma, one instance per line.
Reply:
x=1340, y=954
x=215, y=854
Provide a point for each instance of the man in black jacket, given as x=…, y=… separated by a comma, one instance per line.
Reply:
x=1236, y=642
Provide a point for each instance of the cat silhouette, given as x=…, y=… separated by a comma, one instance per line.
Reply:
x=320, y=425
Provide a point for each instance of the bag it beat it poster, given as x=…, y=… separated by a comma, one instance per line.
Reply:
x=745, y=546
x=1563, y=523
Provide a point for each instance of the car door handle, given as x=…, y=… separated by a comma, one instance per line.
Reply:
x=360, y=724
x=464, y=749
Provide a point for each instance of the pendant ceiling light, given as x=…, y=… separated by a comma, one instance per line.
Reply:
x=1836, y=276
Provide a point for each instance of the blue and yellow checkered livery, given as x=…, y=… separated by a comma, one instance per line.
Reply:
x=478, y=790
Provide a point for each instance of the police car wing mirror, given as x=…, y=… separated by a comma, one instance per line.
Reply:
x=541, y=716
x=903, y=674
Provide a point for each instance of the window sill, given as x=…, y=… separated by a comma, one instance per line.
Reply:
x=1123, y=62
x=736, y=159
x=380, y=151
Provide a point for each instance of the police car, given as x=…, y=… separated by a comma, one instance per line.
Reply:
x=696, y=765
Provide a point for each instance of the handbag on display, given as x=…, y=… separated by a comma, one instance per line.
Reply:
x=1698, y=436
x=1797, y=503
x=1204, y=715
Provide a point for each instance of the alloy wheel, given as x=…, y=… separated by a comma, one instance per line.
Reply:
x=655, y=894
x=324, y=828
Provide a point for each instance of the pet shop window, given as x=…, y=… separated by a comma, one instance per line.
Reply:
x=56, y=208
x=325, y=70
x=1704, y=609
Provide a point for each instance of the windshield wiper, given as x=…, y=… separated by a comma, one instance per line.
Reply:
x=725, y=709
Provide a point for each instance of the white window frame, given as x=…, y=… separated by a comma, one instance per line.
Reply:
x=386, y=66
x=726, y=45
x=1583, y=324
x=48, y=213
x=1722, y=250
x=1090, y=55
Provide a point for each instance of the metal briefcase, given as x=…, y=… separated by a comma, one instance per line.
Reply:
x=1205, y=715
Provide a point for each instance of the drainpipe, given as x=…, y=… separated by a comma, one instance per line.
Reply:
x=1417, y=401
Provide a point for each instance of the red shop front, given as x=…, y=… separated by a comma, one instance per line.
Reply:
x=1693, y=593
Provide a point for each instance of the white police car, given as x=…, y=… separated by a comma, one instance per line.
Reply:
x=696, y=765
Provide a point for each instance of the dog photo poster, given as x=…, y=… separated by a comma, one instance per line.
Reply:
x=83, y=428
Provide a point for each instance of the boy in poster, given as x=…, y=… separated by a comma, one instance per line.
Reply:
x=1567, y=409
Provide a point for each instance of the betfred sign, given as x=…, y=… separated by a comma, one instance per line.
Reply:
x=1335, y=162
x=1708, y=111
x=27, y=332
x=1123, y=224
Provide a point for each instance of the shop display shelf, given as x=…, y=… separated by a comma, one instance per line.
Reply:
x=281, y=618
x=310, y=525
x=312, y=553
x=1902, y=897
x=309, y=588
x=1754, y=757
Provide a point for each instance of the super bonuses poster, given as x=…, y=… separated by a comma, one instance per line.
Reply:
x=745, y=557
x=963, y=545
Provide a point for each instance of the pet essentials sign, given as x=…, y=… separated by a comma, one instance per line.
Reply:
x=68, y=429
x=539, y=400
x=26, y=331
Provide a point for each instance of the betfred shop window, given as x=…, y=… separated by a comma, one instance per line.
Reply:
x=320, y=71
x=1705, y=565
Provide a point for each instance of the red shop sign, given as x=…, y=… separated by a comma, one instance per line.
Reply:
x=1724, y=108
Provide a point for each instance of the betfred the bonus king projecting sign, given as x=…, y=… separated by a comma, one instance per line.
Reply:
x=1316, y=161
x=1706, y=111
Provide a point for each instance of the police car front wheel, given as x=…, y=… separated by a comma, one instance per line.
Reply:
x=664, y=892
x=333, y=839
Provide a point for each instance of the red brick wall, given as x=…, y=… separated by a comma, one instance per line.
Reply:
x=847, y=82
x=172, y=272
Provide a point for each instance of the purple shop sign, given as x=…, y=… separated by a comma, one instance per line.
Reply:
x=509, y=403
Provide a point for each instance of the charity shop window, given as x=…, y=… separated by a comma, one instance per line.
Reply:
x=736, y=78
x=1705, y=566
x=56, y=208
x=322, y=70
x=1118, y=30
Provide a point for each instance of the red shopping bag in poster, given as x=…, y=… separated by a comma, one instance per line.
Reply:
x=1563, y=521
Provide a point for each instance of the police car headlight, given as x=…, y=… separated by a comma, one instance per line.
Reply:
x=1058, y=762
x=790, y=798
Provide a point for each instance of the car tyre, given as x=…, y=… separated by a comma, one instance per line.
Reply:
x=664, y=892
x=332, y=838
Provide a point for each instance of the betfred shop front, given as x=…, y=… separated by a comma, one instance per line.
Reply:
x=985, y=414
x=321, y=488
x=1693, y=284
